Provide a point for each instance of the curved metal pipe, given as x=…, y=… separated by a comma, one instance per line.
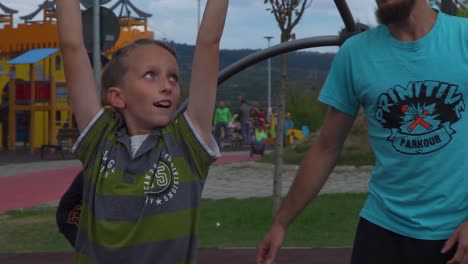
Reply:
x=279, y=49
x=261, y=55
x=346, y=15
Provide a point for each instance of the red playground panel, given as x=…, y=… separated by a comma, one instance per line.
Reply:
x=23, y=90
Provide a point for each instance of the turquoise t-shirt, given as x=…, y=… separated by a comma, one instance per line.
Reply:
x=413, y=95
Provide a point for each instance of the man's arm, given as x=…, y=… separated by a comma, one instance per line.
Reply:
x=204, y=80
x=78, y=71
x=311, y=176
x=316, y=166
x=460, y=237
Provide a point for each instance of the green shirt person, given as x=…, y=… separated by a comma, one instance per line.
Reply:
x=221, y=120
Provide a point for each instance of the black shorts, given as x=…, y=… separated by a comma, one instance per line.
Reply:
x=374, y=244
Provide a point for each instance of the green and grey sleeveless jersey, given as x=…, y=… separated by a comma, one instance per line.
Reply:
x=145, y=208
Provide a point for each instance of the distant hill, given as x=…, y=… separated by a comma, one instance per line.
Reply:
x=305, y=69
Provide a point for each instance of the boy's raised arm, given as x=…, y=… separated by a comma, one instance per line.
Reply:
x=204, y=79
x=78, y=71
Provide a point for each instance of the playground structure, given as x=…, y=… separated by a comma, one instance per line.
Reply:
x=292, y=134
x=33, y=94
x=34, y=101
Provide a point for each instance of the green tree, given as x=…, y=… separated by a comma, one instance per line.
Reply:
x=463, y=10
x=452, y=7
x=287, y=14
x=304, y=107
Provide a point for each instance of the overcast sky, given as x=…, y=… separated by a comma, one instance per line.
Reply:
x=247, y=23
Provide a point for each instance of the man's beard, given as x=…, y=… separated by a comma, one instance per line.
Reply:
x=395, y=13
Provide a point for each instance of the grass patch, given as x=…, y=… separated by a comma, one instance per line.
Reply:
x=356, y=150
x=31, y=230
x=329, y=221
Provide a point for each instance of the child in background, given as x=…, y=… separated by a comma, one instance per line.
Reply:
x=259, y=139
x=143, y=173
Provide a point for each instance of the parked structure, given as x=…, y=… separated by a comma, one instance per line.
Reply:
x=33, y=94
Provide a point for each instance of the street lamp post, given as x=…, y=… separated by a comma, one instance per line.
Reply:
x=97, y=44
x=198, y=24
x=269, y=81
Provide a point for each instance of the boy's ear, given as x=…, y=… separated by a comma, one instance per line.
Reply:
x=116, y=98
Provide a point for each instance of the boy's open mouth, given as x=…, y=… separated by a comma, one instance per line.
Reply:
x=163, y=104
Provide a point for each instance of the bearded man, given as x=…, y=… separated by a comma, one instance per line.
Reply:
x=410, y=75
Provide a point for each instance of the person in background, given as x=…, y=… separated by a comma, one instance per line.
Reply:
x=258, y=114
x=244, y=119
x=259, y=139
x=261, y=116
x=409, y=74
x=222, y=118
x=288, y=124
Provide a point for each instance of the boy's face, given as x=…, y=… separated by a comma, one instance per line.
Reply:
x=150, y=88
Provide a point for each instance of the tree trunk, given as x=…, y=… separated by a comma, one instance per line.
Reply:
x=279, y=146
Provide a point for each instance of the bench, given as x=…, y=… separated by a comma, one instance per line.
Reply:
x=65, y=139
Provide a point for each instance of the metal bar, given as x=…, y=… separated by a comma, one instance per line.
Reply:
x=346, y=15
x=285, y=47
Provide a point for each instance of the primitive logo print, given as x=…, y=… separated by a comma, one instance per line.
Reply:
x=161, y=181
x=420, y=117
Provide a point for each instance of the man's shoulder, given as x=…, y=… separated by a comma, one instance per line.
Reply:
x=451, y=18
x=368, y=36
x=454, y=21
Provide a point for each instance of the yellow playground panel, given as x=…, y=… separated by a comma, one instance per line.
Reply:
x=33, y=107
x=34, y=93
x=292, y=134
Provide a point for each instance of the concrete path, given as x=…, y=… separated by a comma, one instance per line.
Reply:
x=254, y=179
x=234, y=175
x=24, y=185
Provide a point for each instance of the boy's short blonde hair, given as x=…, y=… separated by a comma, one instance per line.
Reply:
x=114, y=71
